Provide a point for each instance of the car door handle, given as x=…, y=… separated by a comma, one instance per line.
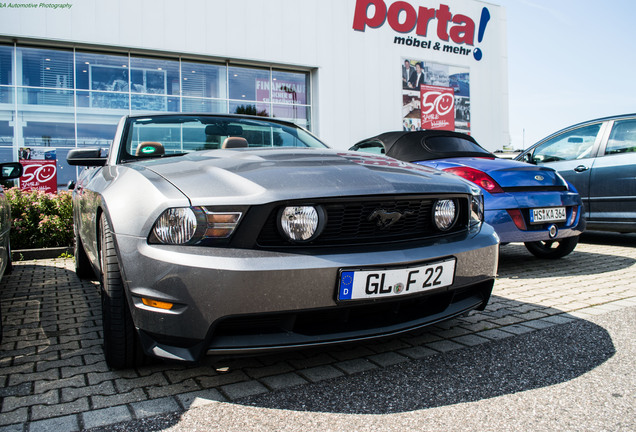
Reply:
x=581, y=168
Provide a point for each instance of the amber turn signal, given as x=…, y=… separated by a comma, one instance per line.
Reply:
x=156, y=303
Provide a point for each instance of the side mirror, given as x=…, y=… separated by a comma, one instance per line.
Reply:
x=10, y=170
x=86, y=157
x=529, y=159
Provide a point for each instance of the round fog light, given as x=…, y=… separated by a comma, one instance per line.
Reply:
x=444, y=214
x=299, y=223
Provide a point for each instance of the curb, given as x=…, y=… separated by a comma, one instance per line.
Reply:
x=42, y=253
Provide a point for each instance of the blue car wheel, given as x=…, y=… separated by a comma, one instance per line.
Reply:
x=552, y=249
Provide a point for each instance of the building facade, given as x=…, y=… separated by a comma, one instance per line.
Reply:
x=344, y=69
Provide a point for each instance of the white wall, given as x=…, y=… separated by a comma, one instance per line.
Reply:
x=357, y=91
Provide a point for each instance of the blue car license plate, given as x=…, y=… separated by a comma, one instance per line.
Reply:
x=384, y=283
x=551, y=214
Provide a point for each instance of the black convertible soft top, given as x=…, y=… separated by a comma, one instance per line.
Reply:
x=429, y=144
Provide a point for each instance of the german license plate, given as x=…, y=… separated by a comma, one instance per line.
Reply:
x=384, y=283
x=552, y=214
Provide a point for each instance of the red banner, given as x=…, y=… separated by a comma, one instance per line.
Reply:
x=39, y=174
x=438, y=107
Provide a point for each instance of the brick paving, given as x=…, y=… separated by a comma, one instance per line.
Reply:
x=53, y=377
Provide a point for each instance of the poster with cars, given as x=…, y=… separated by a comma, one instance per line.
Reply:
x=39, y=169
x=435, y=96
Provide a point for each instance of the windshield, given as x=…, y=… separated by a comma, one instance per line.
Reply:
x=162, y=136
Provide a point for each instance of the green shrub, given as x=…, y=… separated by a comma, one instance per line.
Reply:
x=40, y=219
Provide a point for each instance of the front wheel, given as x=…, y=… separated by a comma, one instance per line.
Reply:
x=552, y=249
x=122, y=348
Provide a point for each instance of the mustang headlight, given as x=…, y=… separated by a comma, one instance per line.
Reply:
x=445, y=214
x=176, y=226
x=301, y=223
x=190, y=225
x=477, y=208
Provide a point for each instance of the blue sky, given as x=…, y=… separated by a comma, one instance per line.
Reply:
x=568, y=61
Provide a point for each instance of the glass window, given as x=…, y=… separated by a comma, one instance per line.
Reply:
x=574, y=144
x=203, y=80
x=6, y=65
x=6, y=97
x=65, y=98
x=178, y=134
x=290, y=87
x=55, y=131
x=203, y=105
x=101, y=72
x=261, y=109
x=623, y=138
x=149, y=103
x=38, y=96
x=65, y=172
x=6, y=154
x=96, y=129
x=154, y=76
x=6, y=135
x=107, y=100
x=298, y=114
x=46, y=68
x=249, y=84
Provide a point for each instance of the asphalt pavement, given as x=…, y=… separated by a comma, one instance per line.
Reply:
x=554, y=350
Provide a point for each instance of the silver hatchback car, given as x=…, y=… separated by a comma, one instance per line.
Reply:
x=598, y=157
x=226, y=234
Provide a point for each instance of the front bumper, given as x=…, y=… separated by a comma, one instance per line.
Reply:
x=246, y=301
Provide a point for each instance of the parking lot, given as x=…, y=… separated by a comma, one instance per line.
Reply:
x=548, y=319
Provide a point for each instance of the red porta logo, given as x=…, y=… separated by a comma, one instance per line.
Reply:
x=403, y=18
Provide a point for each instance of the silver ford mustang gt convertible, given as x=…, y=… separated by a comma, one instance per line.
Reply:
x=223, y=234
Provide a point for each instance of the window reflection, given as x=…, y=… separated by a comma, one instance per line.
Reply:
x=203, y=80
x=6, y=97
x=6, y=135
x=249, y=84
x=66, y=98
x=289, y=87
x=153, y=76
x=6, y=69
x=250, y=109
x=58, y=132
x=203, y=105
x=101, y=72
x=298, y=114
x=46, y=68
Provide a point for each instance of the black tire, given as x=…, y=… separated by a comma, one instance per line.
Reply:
x=553, y=249
x=83, y=268
x=121, y=342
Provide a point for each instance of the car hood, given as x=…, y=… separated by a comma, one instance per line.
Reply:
x=506, y=172
x=264, y=175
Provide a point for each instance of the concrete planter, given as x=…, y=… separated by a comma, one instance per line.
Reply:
x=42, y=253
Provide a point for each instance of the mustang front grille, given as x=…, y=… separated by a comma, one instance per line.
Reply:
x=352, y=222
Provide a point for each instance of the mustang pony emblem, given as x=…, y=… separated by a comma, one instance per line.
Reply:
x=385, y=219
